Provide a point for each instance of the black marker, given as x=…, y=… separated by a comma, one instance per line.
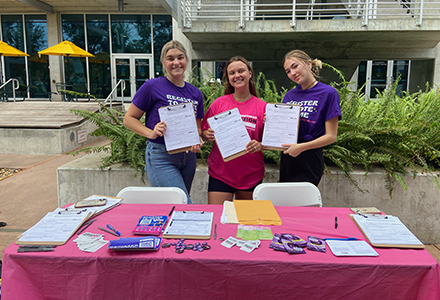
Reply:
x=336, y=222
x=171, y=211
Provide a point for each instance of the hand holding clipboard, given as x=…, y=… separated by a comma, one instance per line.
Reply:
x=230, y=134
x=281, y=125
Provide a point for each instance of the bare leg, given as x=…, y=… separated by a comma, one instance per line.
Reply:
x=243, y=195
x=219, y=197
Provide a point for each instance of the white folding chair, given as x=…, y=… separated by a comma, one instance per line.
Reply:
x=152, y=195
x=289, y=194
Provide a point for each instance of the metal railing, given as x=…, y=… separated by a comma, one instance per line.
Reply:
x=121, y=83
x=244, y=11
x=15, y=85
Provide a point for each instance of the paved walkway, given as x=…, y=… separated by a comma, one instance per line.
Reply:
x=26, y=196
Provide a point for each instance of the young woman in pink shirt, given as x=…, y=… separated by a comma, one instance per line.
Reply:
x=241, y=175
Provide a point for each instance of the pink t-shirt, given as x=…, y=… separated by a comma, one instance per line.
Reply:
x=247, y=170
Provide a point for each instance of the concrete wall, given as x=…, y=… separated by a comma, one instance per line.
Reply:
x=44, y=141
x=418, y=207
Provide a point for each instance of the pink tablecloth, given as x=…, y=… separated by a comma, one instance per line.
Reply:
x=221, y=273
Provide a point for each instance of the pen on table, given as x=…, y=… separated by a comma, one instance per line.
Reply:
x=88, y=223
x=215, y=231
x=171, y=211
x=108, y=231
x=112, y=228
x=336, y=222
x=35, y=249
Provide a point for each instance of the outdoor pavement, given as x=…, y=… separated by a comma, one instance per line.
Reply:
x=26, y=196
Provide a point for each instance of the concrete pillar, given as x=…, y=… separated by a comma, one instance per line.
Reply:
x=208, y=71
x=437, y=66
x=179, y=36
x=55, y=62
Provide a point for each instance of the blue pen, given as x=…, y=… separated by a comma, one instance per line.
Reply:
x=347, y=239
x=111, y=228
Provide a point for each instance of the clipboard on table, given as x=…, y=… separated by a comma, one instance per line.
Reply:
x=230, y=134
x=55, y=228
x=281, y=126
x=386, y=231
x=182, y=131
x=189, y=225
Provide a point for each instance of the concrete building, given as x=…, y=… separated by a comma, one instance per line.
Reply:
x=371, y=41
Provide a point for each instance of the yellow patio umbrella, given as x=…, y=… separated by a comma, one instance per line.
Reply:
x=65, y=48
x=6, y=50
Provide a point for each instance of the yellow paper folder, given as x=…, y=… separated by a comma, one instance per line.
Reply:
x=256, y=212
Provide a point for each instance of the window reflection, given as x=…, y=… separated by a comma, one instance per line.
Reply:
x=75, y=67
x=36, y=40
x=131, y=34
x=98, y=45
x=162, y=33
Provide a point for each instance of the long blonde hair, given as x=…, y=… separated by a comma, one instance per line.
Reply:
x=304, y=58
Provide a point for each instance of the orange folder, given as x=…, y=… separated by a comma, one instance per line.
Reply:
x=256, y=212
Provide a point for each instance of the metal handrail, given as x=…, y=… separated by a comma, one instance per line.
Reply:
x=242, y=12
x=13, y=80
x=110, y=96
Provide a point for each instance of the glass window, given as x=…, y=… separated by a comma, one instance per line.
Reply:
x=131, y=33
x=36, y=40
x=162, y=33
x=362, y=75
x=12, y=30
x=400, y=72
x=99, y=45
x=73, y=29
x=75, y=67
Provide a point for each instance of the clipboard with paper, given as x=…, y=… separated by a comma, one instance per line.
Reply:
x=182, y=130
x=189, y=225
x=55, y=228
x=281, y=126
x=230, y=134
x=386, y=231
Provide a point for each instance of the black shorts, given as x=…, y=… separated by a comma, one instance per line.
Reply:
x=308, y=167
x=216, y=185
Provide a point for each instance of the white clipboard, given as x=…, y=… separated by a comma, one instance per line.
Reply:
x=281, y=126
x=182, y=132
x=230, y=134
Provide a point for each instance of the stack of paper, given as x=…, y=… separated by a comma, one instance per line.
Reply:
x=229, y=216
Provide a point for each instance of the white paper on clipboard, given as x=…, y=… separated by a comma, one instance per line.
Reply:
x=230, y=133
x=181, y=123
x=281, y=125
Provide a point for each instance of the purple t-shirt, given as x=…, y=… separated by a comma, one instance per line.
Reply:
x=318, y=105
x=158, y=92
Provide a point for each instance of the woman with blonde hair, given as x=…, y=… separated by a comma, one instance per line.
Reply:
x=241, y=175
x=320, y=114
x=163, y=169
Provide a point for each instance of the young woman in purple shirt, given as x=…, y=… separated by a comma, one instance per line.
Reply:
x=163, y=169
x=320, y=114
